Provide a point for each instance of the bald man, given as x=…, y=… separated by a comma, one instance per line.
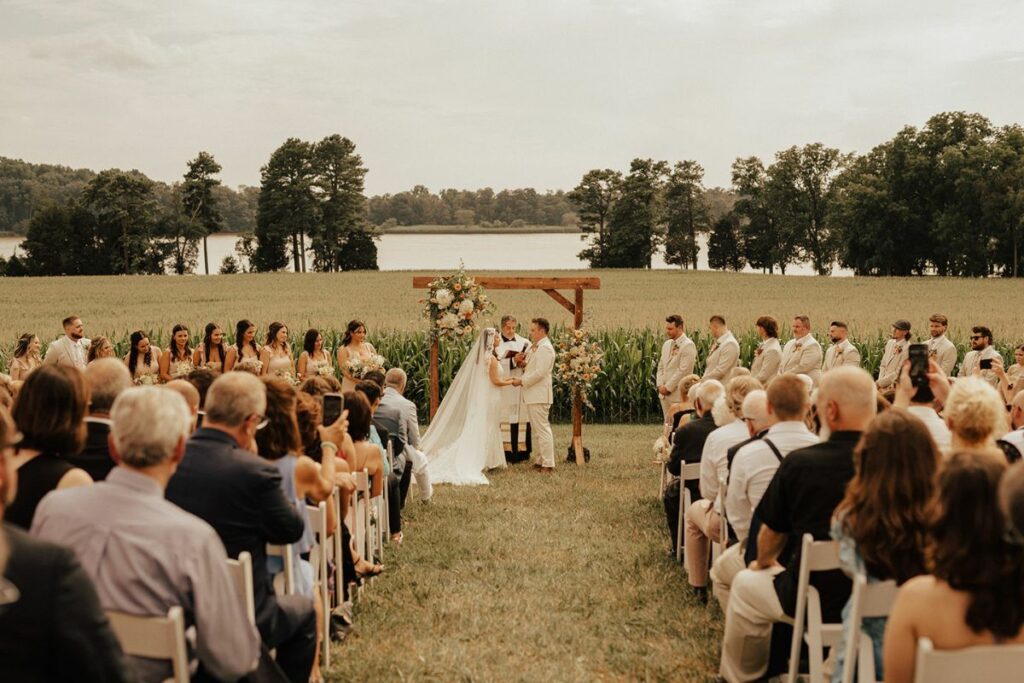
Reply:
x=1015, y=439
x=188, y=391
x=801, y=498
x=107, y=378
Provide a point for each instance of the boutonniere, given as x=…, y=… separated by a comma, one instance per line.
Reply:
x=675, y=350
x=798, y=346
x=839, y=350
x=759, y=350
x=714, y=347
x=899, y=348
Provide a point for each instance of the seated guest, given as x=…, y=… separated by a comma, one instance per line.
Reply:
x=107, y=379
x=366, y=456
x=975, y=415
x=53, y=626
x=222, y=481
x=808, y=485
x=1011, y=381
x=372, y=391
x=754, y=467
x=201, y=379
x=1013, y=441
x=687, y=447
x=187, y=391
x=323, y=384
x=49, y=413
x=703, y=519
x=882, y=522
x=974, y=592
x=394, y=404
x=683, y=411
x=151, y=555
x=375, y=376
x=922, y=406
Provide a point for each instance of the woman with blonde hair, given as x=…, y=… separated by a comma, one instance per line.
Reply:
x=26, y=357
x=976, y=416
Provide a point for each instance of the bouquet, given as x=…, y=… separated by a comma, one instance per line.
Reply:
x=250, y=365
x=287, y=376
x=454, y=304
x=360, y=368
x=181, y=369
x=578, y=363
x=146, y=380
x=324, y=369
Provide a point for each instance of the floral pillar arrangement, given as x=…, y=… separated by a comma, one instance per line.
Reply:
x=578, y=363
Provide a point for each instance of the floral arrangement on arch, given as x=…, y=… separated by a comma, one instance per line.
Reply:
x=578, y=363
x=454, y=305
x=360, y=367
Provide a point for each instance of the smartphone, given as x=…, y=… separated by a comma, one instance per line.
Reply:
x=334, y=404
x=985, y=364
x=918, y=354
x=199, y=418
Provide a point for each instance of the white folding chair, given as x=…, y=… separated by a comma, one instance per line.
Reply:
x=154, y=638
x=284, y=582
x=318, y=558
x=718, y=546
x=241, y=575
x=815, y=556
x=869, y=600
x=687, y=472
x=361, y=515
x=339, y=571
x=988, y=663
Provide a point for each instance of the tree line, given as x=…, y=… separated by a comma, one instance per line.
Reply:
x=945, y=199
x=483, y=207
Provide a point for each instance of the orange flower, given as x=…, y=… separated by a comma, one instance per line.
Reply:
x=457, y=287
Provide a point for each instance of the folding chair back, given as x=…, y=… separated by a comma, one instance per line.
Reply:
x=318, y=558
x=815, y=556
x=989, y=663
x=719, y=544
x=154, y=638
x=339, y=572
x=361, y=515
x=688, y=472
x=241, y=576
x=284, y=582
x=868, y=600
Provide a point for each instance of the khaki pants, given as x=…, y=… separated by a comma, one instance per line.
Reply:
x=753, y=608
x=544, y=440
x=726, y=567
x=702, y=525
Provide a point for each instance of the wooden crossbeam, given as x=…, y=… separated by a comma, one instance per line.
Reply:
x=545, y=283
x=557, y=296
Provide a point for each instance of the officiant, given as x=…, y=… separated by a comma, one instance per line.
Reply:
x=515, y=428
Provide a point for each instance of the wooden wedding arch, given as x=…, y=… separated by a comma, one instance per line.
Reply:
x=548, y=285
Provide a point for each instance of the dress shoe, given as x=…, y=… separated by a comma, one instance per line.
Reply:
x=546, y=470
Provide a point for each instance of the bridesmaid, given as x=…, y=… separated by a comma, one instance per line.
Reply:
x=26, y=357
x=143, y=360
x=245, y=352
x=313, y=359
x=177, y=362
x=353, y=345
x=276, y=355
x=100, y=347
x=211, y=353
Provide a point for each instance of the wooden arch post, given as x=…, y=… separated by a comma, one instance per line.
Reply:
x=548, y=285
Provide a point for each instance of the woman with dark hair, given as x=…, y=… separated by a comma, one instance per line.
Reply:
x=143, y=360
x=177, y=362
x=974, y=591
x=276, y=355
x=50, y=414
x=314, y=361
x=99, y=347
x=210, y=354
x=768, y=354
x=353, y=346
x=244, y=354
x=367, y=456
x=26, y=357
x=882, y=522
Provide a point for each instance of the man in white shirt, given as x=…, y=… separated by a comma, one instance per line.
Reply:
x=842, y=352
x=897, y=350
x=1016, y=437
x=513, y=417
x=802, y=354
x=703, y=518
x=756, y=463
x=725, y=351
x=939, y=347
x=72, y=349
x=678, y=354
x=978, y=360
x=923, y=408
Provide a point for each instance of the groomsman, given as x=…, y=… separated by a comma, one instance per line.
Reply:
x=513, y=412
x=897, y=350
x=72, y=349
x=802, y=354
x=940, y=348
x=842, y=352
x=678, y=354
x=978, y=360
x=725, y=351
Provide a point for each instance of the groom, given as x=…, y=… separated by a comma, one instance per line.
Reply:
x=538, y=361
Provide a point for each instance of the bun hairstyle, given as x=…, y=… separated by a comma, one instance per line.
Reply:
x=353, y=327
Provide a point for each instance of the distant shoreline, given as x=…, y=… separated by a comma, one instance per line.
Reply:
x=477, y=230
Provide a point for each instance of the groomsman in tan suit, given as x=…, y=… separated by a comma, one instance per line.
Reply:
x=897, y=350
x=802, y=354
x=678, y=354
x=768, y=355
x=982, y=349
x=940, y=348
x=842, y=352
x=725, y=351
x=72, y=349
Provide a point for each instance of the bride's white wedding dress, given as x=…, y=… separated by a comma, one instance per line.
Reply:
x=465, y=437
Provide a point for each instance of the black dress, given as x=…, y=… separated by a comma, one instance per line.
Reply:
x=36, y=478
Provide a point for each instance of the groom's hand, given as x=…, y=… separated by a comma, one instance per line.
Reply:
x=516, y=382
x=520, y=359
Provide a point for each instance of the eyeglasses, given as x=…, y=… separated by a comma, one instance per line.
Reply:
x=263, y=421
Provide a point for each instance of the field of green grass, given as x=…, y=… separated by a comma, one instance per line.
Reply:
x=562, y=577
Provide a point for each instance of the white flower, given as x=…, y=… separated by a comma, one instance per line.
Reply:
x=466, y=307
x=325, y=370
x=443, y=298
x=448, y=321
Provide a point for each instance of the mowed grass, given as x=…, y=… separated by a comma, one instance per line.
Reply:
x=386, y=301
x=562, y=577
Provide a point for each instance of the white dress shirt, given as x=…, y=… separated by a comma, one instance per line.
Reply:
x=936, y=427
x=714, y=462
x=753, y=468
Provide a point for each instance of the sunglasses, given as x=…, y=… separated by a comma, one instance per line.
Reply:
x=977, y=336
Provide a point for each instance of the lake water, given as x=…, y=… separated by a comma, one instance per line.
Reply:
x=539, y=251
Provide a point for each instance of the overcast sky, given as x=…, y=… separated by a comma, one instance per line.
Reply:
x=500, y=93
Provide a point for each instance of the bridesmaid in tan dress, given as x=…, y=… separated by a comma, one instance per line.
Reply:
x=244, y=354
x=211, y=353
x=353, y=345
x=26, y=357
x=100, y=347
x=314, y=361
x=177, y=362
x=143, y=360
x=276, y=355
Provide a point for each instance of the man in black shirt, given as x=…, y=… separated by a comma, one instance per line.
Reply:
x=687, y=447
x=808, y=485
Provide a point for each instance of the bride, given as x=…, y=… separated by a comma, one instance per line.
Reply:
x=465, y=437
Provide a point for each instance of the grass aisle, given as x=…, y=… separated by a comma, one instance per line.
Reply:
x=562, y=577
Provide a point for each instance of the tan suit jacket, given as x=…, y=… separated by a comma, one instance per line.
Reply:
x=896, y=353
x=677, y=359
x=68, y=353
x=944, y=353
x=767, y=360
x=838, y=355
x=724, y=356
x=802, y=357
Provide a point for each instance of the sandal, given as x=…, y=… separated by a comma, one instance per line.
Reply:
x=374, y=569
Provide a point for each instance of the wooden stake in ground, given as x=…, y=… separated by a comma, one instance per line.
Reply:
x=550, y=286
